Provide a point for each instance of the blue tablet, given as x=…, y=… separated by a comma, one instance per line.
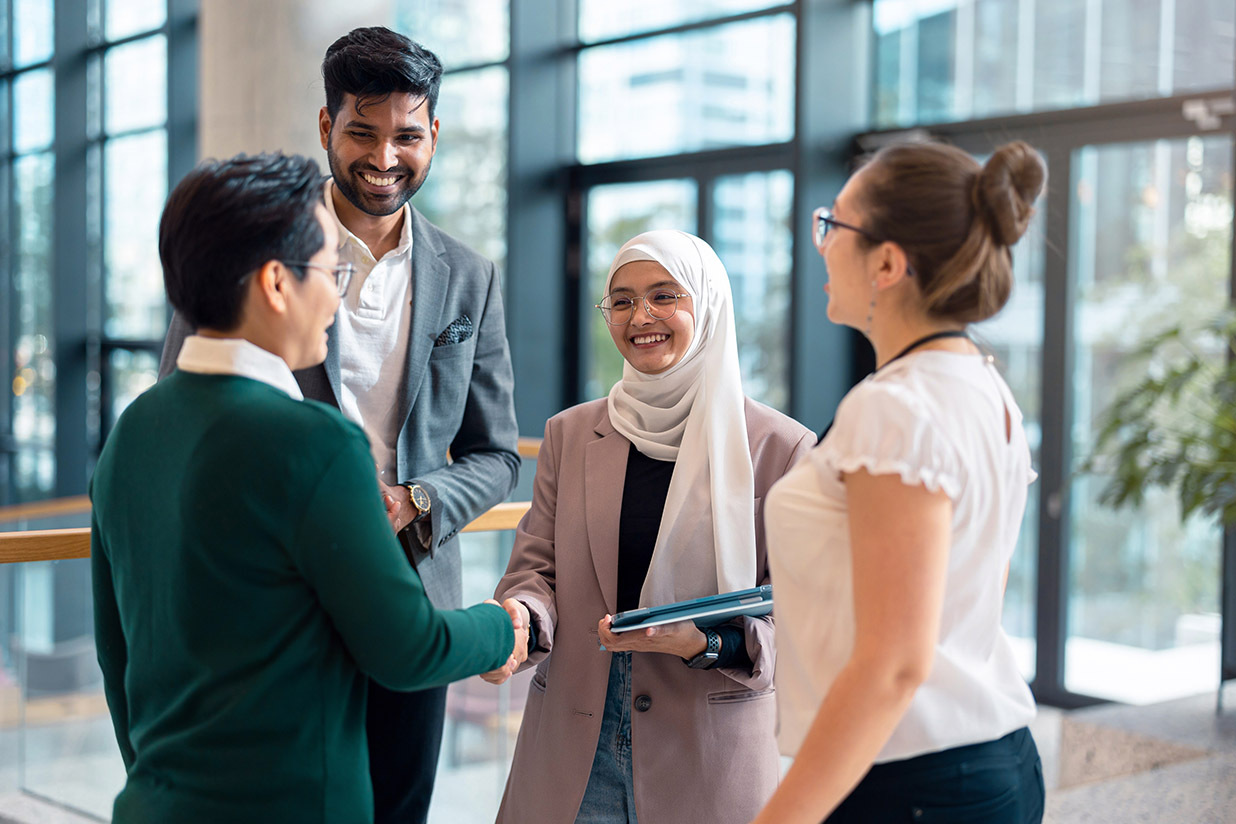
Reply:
x=706, y=612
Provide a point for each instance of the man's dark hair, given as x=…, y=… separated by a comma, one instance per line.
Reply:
x=228, y=217
x=373, y=63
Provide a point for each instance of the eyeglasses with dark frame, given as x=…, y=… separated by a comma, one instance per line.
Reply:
x=660, y=303
x=342, y=272
x=822, y=220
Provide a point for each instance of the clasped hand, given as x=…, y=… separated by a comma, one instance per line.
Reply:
x=681, y=638
x=399, y=509
x=521, y=619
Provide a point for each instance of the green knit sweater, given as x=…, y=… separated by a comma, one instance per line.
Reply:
x=246, y=580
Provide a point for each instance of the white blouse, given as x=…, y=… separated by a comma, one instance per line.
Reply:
x=935, y=418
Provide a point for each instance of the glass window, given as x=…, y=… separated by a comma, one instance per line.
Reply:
x=686, y=92
x=129, y=17
x=32, y=31
x=465, y=194
x=604, y=19
x=34, y=106
x=617, y=213
x=132, y=373
x=1015, y=338
x=1150, y=242
x=938, y=60
x=459, y=32
x=34, y=370
x=135, y=185
x=135, y=90
x=754, y=239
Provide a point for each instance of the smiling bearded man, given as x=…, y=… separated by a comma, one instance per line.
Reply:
x=418, y=357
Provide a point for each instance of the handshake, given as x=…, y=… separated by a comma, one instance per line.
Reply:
x=520, y=620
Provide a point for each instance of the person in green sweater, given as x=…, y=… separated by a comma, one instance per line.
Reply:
x=246, y=579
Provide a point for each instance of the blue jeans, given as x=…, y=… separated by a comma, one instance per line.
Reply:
x=610, y=796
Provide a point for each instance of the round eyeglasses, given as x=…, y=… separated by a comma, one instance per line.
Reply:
x=342, y=272
x=659, y=303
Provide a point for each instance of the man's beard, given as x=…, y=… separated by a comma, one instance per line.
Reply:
x=409, y=185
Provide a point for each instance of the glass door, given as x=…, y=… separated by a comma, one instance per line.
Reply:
x=1150, y=241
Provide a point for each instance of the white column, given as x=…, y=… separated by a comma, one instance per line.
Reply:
x=261, y=77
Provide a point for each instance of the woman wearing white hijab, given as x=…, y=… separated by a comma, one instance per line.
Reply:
x=644, y=498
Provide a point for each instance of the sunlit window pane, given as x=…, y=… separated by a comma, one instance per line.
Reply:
x=465, y=193
x=34, y=371
x=603, y=19
x=1150, y=243
x=132, y=373
x=459, y=32
x=687, y=92
x=753, y=238
x=135, y=83
x=34, y=107
x=32, y=31
x=129, y=17
x=617, y=213
x=938, y=60
x=135, y=185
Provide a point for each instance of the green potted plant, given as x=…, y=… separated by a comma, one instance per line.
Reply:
x=1175, y=428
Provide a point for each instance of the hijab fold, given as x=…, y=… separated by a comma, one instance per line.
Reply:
x=693, y=414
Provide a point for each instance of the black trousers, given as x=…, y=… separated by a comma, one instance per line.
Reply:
x=405, y=736
x=997, y=782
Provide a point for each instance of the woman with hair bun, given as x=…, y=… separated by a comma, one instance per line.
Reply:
x=890, y=543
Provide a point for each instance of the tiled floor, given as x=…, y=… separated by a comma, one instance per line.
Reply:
x=1170, y=763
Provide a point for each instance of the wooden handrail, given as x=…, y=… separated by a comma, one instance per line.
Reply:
x=64, y=544
x=80, y=504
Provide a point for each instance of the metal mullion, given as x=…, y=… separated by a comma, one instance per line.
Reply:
x=735, y=160
x=684, y=28
x=109, y=136
x=476, y=67
x=1227, y=591
x=105, y=44
x=1055, y=450
x=1131, y=121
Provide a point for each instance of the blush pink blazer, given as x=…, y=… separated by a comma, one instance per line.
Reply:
x=704, y=750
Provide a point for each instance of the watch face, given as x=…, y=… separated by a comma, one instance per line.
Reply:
x=420, y=499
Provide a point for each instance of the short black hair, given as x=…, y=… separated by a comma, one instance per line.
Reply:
x=228, y=217
x=375, y=62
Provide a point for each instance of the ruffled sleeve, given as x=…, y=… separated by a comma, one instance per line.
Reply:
x=886, y=429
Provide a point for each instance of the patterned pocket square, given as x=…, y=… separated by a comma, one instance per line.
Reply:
x=458, y=332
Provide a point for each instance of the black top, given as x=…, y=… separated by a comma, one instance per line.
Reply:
x=643, y=500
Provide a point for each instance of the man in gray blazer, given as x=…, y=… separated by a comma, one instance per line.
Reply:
x=418, y=356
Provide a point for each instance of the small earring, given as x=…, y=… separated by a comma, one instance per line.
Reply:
x=871, y=309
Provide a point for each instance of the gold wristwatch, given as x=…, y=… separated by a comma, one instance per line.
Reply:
x=420, y=499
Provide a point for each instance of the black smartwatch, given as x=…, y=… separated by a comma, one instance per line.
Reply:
x=708, y=658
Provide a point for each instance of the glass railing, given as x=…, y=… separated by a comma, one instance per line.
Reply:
x=57, y=746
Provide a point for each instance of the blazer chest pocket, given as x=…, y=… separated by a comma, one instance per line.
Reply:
x=740, y=696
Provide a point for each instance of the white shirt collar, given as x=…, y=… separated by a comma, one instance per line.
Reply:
x=237, y=356
x=346, y=236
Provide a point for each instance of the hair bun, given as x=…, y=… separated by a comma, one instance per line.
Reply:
x=1007, y=188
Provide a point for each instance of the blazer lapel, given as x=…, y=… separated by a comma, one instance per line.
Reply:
x=430, y=277
x=332, y=356
x=605, y=470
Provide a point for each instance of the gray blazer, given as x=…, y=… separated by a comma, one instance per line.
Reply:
x=457, y=396
x=703, y=746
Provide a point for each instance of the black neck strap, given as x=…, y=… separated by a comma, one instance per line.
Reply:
x=925, y=339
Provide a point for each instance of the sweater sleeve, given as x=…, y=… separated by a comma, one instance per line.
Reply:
x=346, y=550
x=109, y=642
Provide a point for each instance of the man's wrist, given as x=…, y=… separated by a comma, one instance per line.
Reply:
x=419, y=499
